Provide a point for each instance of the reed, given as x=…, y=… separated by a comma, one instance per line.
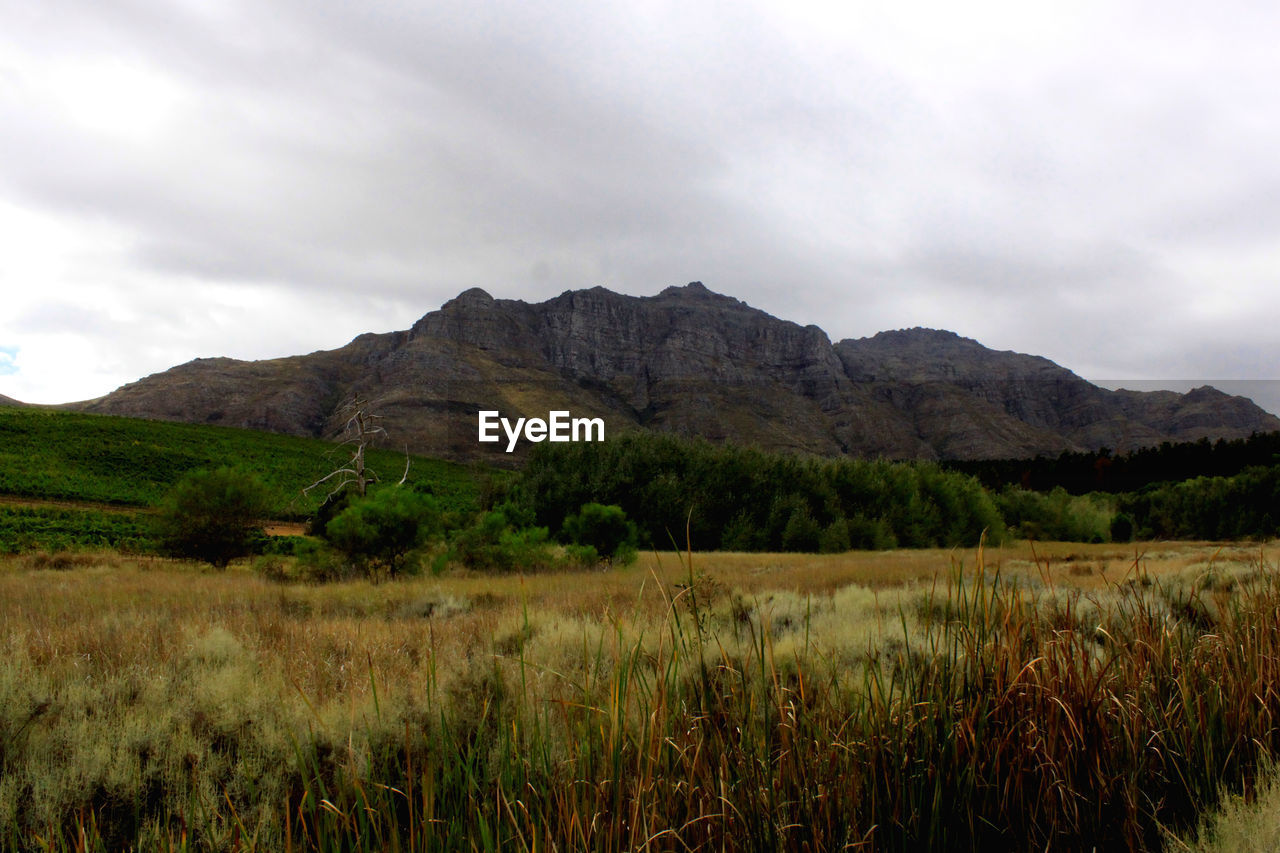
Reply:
x=987, y=710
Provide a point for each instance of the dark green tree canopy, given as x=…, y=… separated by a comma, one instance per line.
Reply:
x=383, y=529
x=213, y=515
x=604, y=528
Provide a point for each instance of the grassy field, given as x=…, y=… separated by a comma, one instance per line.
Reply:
x=1064, y=697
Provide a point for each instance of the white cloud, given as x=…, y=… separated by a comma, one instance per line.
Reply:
x=1091, y=182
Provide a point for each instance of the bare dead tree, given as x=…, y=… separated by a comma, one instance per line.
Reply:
x=362, y=429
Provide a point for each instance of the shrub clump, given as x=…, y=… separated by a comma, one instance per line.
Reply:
x=213, y=515
x=605, y=529
x=494, y=543
x=383, y=532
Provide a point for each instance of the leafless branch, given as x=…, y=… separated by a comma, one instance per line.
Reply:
x=405, y=476
x=361, y=429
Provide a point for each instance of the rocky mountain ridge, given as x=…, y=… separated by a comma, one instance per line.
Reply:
x=689, y=361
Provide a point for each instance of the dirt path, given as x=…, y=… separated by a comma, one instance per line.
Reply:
x=285, y=528
x=54, y=503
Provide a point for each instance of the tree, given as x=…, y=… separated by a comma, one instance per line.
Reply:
x=383, y=529
x=213, y=515
x=361, y=430
x=604, y=528
x=1121, y=528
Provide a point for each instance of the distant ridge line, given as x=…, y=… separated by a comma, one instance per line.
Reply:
x=689, y=361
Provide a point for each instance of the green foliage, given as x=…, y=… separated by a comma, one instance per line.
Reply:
x=1057, y=515
x=329, y=509
x=586, y=557
x=1246, y=505
x=835, y=538
x=317, y=561
x=75, y=456
x=1103, y=471
x=871, y=534
x=26, y=528
x=493, y=544
x=212, y=515
x=380, y=532
x=801, y=532
x=603, y=528
x=743, y=499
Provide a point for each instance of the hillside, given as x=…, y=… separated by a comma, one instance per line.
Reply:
x=687, y=361
x=79, y=457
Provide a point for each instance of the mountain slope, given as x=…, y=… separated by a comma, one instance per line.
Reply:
x=688, y=361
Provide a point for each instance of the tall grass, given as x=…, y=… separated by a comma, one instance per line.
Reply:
x=980, y=712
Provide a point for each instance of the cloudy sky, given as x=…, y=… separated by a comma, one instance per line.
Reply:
x=1096, y=182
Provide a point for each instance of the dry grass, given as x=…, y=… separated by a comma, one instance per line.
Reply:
x=1240, y=824
x=146, y=697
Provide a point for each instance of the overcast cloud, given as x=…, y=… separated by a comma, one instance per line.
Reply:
x=1092, y=182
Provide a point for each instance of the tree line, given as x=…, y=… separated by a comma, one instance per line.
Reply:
x=1104, y=471
x=587, y=503
x=690, y=492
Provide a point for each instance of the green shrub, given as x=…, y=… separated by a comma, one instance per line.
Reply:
x=493, y=544
x=1058, y=515
x=582, y=556
x=273, y=567
x=743, y=533
x=317, y=561
x=802, y=532
x=1121, y=528
x=604, y=528
x=213, y=515
x=835, y=538
x=382, y=531
x=871, y=534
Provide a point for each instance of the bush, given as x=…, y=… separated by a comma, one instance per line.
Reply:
x=802, y=532
x=383, y=530
x=491, y=543
x=1121, y=528
x=213, y=515
x=835, y=538
x=604, y=528
x=582, y=556
x=1057, y=514
x=316, y=561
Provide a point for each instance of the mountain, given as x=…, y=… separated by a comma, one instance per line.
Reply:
x=9, y=401
x=688, y=361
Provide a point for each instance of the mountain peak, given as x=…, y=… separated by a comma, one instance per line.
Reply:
x=688, y=361
x=693, y=288
x=470, y=296
x=698, y=291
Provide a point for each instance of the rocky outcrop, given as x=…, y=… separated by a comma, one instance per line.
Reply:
x=688, y=361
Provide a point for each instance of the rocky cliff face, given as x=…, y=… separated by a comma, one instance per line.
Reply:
x=688, y=361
